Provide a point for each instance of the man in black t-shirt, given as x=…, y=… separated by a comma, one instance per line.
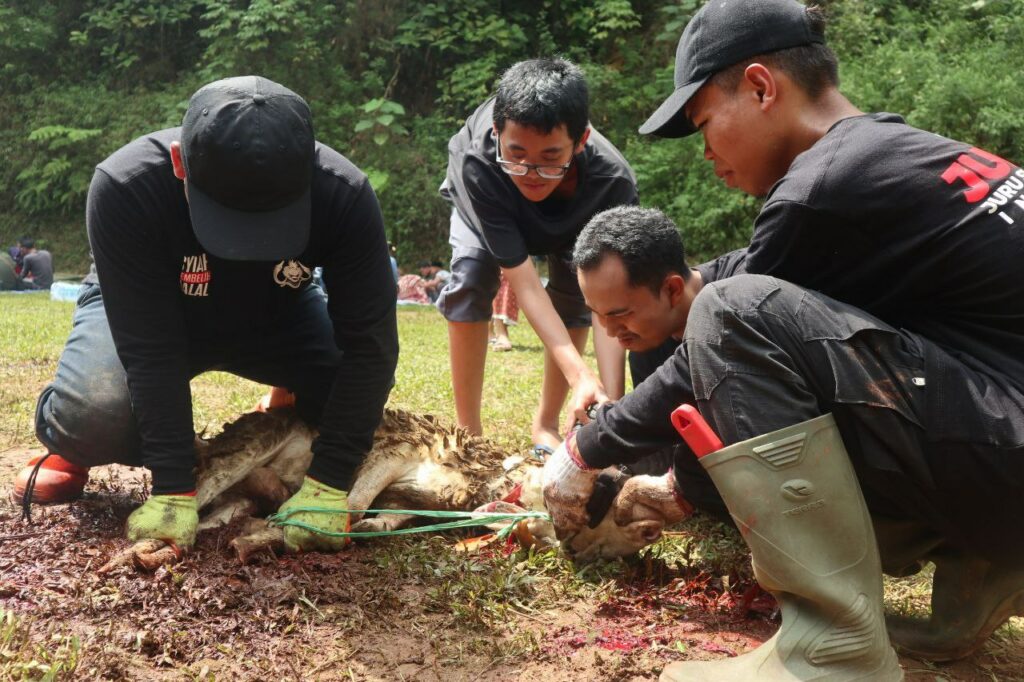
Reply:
x=882, y=286
x=205, y=238
x=525, y=174
x=37, y=265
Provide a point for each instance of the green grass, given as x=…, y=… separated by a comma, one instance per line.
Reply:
x=33, y=330
x=25, y=655
x=476, y=595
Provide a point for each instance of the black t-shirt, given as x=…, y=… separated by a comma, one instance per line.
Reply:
x=164, y=294
x=511, y=226
x=38, y=264
x=921, y=231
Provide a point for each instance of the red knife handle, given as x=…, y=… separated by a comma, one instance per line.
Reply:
x=695, y=431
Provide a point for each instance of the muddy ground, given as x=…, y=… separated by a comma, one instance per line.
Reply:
x=402, y=609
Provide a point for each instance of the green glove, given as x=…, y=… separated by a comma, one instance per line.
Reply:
x=171, y=518
x=313, y=493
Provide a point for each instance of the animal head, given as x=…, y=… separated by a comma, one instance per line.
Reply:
x=605, y=541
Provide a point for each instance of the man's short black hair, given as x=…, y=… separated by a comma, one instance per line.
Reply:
x=812, y=67
x=645, y=239
x=27, y=243
x=543, y=94
x=423, y=264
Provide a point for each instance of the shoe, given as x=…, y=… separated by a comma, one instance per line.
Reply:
x=971, y=597
x=57, y=480
x=275, y=398
x=799, y=507
x=501, y=344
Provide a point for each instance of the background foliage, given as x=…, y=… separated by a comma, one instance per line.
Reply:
x=390, y=81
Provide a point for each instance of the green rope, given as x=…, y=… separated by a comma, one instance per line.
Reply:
x=465, y=520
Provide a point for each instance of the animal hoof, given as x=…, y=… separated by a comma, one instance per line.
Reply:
x=147, y=554
x=258, y=538
x=377, y=524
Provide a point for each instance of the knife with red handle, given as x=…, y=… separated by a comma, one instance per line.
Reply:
x=695, y=431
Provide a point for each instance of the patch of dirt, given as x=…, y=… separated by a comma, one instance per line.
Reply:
x=396, y=609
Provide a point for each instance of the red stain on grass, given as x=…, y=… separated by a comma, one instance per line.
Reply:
x=688, y=611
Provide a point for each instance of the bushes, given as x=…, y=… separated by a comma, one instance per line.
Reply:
x=83, y=77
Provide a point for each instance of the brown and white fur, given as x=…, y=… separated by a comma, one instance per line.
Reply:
x=417, y=462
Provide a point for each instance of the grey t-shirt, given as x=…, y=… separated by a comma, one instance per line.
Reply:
x=39, y=266
x=512, y=227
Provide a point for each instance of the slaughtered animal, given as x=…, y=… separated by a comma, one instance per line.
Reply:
x=417, y=462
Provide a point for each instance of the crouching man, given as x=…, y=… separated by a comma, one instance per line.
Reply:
x=205, y=238
x=861, y=359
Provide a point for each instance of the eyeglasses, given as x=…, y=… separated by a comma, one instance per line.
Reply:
x=520, y=168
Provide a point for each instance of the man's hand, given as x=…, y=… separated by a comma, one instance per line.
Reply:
x=171, y=518
x=313, y=493
x=646, y=497
x=586, y=392
x=568, y=484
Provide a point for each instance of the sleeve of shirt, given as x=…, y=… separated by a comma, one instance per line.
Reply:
x=809, y=247
x=489, y=213
x=361, y=296
x=732, y=263
x=140, y=296
x=640, y=423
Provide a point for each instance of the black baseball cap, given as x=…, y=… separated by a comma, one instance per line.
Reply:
x=720, y=34
x=247, y=145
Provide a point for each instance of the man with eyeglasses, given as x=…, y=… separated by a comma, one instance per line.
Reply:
x=525, y=174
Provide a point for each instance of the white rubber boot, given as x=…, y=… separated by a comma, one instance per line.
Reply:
x=797, y=502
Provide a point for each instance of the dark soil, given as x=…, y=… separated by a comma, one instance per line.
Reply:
x=403, y=609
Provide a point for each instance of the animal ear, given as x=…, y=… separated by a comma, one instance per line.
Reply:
x=649, y=530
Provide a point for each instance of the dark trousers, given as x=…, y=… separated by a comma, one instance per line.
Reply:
x=85, y=414
x=933, y=439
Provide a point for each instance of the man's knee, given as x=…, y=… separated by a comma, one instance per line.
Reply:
x=88, y=426
x=469, y=293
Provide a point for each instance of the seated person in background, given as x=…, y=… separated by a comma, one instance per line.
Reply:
x=504, y=314
x=525, y=174
x=394, y=261
x=434, y=278
x=17, y=254
x=37, y=266
x=9, y=280
x=411, y=290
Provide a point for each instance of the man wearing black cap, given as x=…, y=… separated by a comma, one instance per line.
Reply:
x=862, y=359
x=205, y=238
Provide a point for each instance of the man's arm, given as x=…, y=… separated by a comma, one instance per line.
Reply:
x=640, y=423
x=361, y=302
x=141, y=298
x=535, y=302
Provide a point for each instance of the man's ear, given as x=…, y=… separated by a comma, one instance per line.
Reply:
x=675, y=286
x=176, y=161
x=582, y=142
x=762, y=84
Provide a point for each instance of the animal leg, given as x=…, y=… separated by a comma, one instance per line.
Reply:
x=382, y=523
x=372, y=478
x=227, y=470
x=258, y=537
x=145, y=554
x=226, y=509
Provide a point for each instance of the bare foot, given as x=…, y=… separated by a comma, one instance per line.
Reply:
x=546, y=435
